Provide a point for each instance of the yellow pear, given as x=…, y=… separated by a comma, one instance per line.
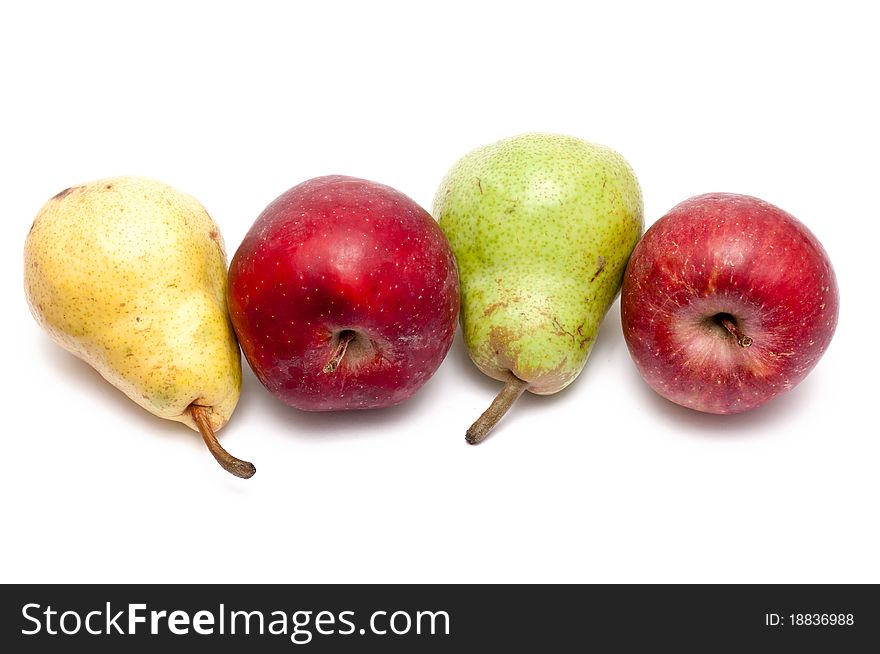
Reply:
x=129, y=275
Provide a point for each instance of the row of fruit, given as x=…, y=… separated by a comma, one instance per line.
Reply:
x=345, y=293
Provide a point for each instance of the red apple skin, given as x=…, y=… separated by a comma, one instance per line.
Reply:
x=737, y=255
x=338, y=253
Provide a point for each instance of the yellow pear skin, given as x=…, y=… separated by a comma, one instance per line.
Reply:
x=129, y=275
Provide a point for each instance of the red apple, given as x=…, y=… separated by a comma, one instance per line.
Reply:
x=727, y=302
x=344, y=295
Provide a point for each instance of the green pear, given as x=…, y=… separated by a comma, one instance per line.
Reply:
x=129, y=275
x=542, y=227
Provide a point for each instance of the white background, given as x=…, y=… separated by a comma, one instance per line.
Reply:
x=605, y=482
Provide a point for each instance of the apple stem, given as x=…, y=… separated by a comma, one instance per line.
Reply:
x=345, y=337
x=512, y=389
x=229, y=463
x=742, y=339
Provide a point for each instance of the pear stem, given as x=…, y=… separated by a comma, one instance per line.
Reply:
x=346, y=336
x=229, y=463
x=742, y=339
x=512, y=389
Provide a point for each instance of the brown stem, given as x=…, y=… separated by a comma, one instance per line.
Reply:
x=512, y=389
x=742, y=339
x=346, y=336
x=230, y=463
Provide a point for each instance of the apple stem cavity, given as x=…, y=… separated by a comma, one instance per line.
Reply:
x=513, y=388
x=229, y=463
x=729, y=325
x=346, y=336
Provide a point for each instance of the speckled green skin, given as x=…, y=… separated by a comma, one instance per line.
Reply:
x=542, y=227
x=130, y=275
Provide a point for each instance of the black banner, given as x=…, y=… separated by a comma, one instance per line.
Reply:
x=438, y=618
